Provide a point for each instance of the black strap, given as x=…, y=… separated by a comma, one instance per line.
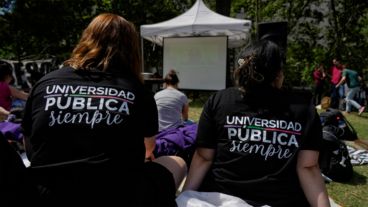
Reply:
x=100, y=158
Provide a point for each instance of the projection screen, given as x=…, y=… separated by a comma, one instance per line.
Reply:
x=199, y=61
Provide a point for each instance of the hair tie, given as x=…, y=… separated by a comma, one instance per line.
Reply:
x=241, y=61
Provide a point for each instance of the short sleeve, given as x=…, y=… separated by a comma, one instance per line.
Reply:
x=149, y=115
x=206, y=134
x=344, y=73
x=184, y=99
x=313, y=134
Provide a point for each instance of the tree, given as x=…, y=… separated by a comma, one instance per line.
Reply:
x=223, y=7
x=318, y=30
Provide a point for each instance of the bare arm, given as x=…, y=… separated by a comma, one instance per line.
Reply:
x=311, y=179
x=4, y=111
x=185, y=112
x=201, y=163
x=341, y=81
x=150, y=144
x=3, y=114
x=16, y=93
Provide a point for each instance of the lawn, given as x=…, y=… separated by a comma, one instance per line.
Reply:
x=350, y=194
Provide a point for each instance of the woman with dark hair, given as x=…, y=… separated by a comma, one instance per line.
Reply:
x=172, y=104
x=256, y=142
x=90, y=125
x=177, y=133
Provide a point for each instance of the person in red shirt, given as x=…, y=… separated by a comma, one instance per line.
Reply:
x=318, y=77
x=8, y=92
x=337, y=93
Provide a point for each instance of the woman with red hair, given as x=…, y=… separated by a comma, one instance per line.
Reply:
x=90, y=125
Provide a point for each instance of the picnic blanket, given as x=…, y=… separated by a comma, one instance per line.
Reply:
x=358, y=156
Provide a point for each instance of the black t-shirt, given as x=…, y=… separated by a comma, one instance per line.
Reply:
x=73, y=114
x=257, y=137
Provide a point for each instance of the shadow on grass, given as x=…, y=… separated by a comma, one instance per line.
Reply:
x=357, y=179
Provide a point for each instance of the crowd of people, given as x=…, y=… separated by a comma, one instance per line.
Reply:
x=91, y=128
x=346, y=87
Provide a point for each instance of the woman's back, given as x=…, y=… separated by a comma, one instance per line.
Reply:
x=257, y=138
x=81, y=111
x=170, y=103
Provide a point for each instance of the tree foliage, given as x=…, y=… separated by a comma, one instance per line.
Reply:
x=318, y=30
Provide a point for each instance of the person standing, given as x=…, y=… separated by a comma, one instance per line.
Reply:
x=337, y=93
x=257, y=142
x=90, y=125
x=318, y=77
x=353, y=81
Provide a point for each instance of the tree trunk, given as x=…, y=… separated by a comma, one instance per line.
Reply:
x=336, y=28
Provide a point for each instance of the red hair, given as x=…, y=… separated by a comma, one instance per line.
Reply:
x=110, y=42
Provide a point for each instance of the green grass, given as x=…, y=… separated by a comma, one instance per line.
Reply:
x=350, y=194
x=353, y=193
x=360, y=124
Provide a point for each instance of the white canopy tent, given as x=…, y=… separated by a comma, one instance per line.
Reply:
x=199, y=21
x=195, y=44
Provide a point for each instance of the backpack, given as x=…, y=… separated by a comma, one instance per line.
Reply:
x=336, y=123
x=334, y=159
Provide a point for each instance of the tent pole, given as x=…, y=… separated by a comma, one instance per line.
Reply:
x=142, y=55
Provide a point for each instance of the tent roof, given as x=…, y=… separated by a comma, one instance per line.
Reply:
x=199, y=21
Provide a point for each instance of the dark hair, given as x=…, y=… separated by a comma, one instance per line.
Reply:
x=171, y=78
x=259, y=65
x=5, y=70
x=110, y=42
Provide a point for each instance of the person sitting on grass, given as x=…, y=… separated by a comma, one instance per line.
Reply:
x=258, y=142
x=90, y=125
x=177, y=133
x=8, y=92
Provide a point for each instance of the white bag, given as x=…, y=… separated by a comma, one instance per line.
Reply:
x=209, y=199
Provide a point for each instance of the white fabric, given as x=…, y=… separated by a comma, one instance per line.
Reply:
x=199, y=21
x=209, y=199
x=25, y=160
x=333, y=203
x=214, y=199
x=358, y=157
